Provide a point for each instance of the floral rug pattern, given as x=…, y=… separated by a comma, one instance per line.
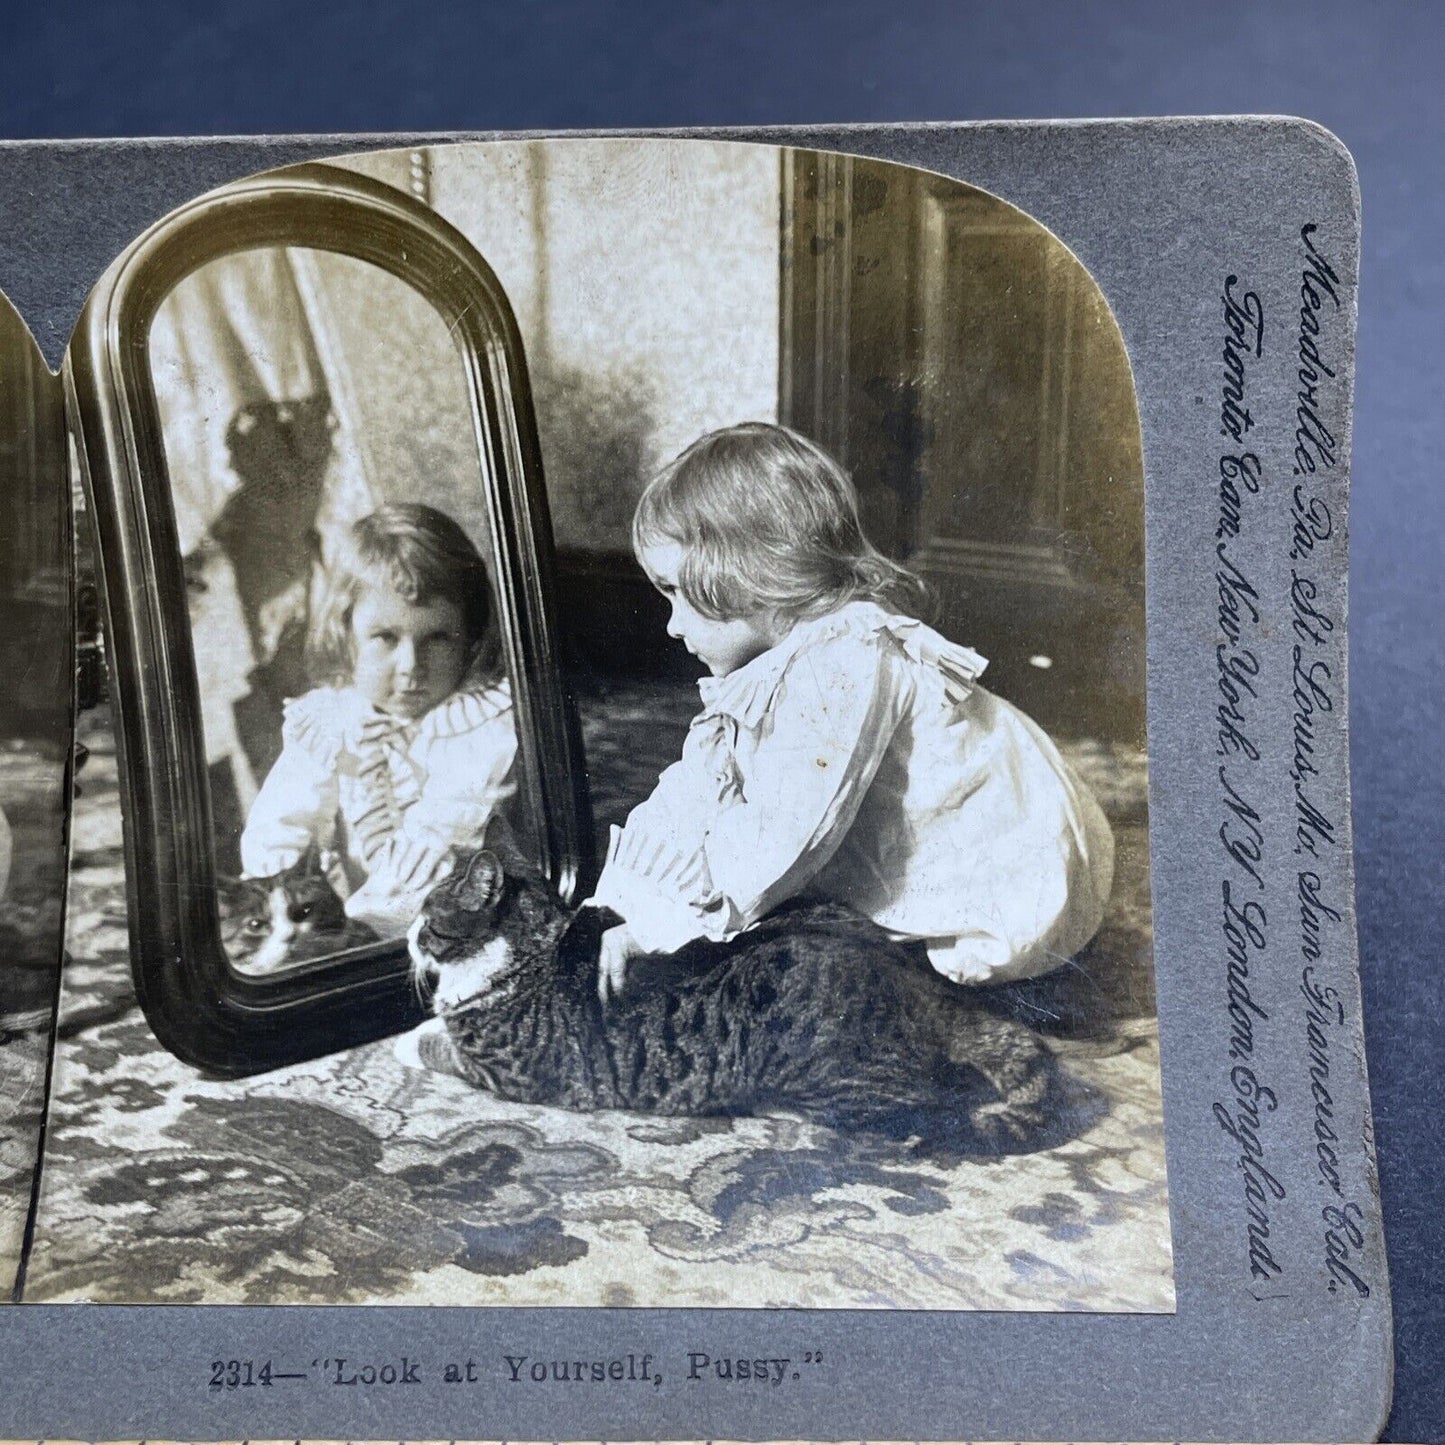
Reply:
x=354, y=1178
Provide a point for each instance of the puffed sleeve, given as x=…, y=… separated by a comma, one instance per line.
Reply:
x=458, y=800
x=820, y=745
x=468, y=778
x=768, y=808
x=656, y=873
x=1031, y=860
x=298, y=802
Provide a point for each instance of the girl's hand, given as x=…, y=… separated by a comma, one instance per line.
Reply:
x=618, y=945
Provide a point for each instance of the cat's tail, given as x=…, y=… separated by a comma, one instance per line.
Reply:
x=1123, y=1036
x=1015, y=1063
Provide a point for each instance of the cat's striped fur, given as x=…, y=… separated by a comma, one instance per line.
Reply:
x=814, y=1010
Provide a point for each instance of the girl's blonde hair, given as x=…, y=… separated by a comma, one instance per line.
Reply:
x=419, y=553
x=768, y=522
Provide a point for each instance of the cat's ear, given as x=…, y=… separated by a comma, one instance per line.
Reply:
x=499, y=840
x=480, y=885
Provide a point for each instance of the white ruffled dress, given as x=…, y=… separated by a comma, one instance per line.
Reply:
x=386, y=798
x=859, y=760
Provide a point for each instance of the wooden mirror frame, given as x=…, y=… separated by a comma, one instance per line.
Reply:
x=199, y=1005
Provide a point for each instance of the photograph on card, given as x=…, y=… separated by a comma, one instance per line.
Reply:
x=627, y=734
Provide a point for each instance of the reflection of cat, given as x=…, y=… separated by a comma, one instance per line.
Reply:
x=815, y=1009
x=292, y=916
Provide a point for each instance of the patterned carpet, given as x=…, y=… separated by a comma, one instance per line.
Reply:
x=355, y=1179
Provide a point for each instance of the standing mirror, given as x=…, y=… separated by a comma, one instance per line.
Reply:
x=302, y=408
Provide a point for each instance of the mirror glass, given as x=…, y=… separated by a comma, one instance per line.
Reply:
x=329, y=506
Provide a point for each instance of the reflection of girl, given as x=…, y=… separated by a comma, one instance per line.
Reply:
x=843, y=747
x=409, y=749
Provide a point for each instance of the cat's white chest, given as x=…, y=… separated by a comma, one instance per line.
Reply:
x=460, y=982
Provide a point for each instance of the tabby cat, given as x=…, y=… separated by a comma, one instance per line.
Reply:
x=814, y=1010
x=295, y=915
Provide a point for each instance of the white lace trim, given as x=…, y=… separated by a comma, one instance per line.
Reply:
x=747, y=694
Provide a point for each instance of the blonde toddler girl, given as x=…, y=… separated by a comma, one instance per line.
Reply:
x=407, y=751
x=843, y=747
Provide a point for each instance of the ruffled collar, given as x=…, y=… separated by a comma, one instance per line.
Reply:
x=746, y=694
x=467, y=710
x=464, y=711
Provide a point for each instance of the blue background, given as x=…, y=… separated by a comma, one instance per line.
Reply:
x=1370, y=72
